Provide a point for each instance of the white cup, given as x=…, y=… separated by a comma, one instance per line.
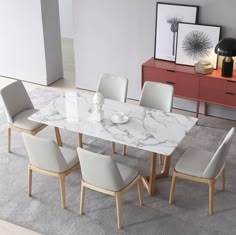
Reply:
x=119, y=116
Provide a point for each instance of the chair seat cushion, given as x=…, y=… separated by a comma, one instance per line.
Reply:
x=70, y=156
x=21, y=120
x=128, y=173
x=194, y=162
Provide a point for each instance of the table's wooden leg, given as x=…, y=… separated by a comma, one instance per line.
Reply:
x=149, y=181
x=113, y=147
x=152, y=179
x=160, y=160
x=165, y=169
x=146, y=184
x=80, y=140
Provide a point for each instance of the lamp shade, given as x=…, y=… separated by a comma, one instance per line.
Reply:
x=226, y=47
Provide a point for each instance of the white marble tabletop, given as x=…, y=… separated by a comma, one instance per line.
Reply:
x=147, y=129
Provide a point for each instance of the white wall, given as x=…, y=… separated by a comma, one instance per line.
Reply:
x=118, y=36
x=111, y=36
x=52, y=39
x=23, y=40
x=66, y=21
x=20, y=30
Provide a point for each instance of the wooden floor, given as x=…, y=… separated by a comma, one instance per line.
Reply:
x=12, y=229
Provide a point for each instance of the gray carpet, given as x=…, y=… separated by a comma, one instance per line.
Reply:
x=188, y=214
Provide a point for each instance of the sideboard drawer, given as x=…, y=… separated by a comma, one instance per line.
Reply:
x=158, y=75
x=218, y=91
x=230, y=99
x=186, y=85
x=230, y=86
x=212, y=90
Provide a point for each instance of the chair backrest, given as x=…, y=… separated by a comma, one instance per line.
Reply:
x=100, y=170
x=15, y=99
x=157, y=96
x=214, y=166
x=113, y=87
x=44, y=154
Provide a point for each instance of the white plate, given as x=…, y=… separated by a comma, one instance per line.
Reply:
x=116, y=121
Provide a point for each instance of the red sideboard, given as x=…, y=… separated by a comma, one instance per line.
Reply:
x=209, y=89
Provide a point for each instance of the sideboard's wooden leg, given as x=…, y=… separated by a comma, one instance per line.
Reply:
x=205, y=109
x=197, y=109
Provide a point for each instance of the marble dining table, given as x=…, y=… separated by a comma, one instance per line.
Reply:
x=148, y=129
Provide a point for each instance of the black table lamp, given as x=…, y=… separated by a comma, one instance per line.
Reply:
x=227, y=47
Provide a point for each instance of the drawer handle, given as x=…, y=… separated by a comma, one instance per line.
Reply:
x=169, y=70
x=231, y=81
x=229, y=93
x=168, y=82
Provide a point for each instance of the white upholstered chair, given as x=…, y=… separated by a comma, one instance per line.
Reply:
x=101, y=173
x=19, y=107
x=156, y=95
x=47, y=158
x=204, y=167
x=111, y=87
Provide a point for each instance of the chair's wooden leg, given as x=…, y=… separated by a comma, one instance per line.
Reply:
x=113, y=147
x=58, y=136
x=140, y=192
x=9, y=140
x=118, y=209
x=172, y=189
x=124, y=150
x=62, y=189
x=82, y=194
x=29, y=181
x=223, y=179
x=211, y=196
x=80, y=140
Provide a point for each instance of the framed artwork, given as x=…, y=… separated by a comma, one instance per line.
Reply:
x=168, y=16
x=197, y=42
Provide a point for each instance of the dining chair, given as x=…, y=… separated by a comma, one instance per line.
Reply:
x=47, y=158
x=103, y=174
x=202, y=166
x=112, y=87
x=156, y=95
x=19, y=107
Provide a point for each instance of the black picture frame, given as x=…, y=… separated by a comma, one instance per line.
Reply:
x=197, y=42
x=167, y=17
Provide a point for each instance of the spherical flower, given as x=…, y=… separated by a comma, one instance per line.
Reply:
x=196, y=44
x=173, y=21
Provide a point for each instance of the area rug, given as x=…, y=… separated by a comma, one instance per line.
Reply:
x=188, y=215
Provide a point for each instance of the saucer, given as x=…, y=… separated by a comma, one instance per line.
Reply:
x=115, y=120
